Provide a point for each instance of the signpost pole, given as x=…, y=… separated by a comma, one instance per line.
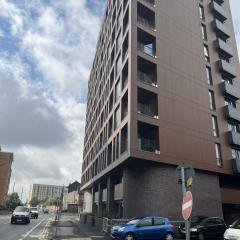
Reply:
x=187, y=223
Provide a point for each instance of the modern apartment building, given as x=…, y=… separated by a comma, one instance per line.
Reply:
x=6, y=160
x=163, y=91
x=44, y=192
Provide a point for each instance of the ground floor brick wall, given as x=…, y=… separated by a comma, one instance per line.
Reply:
x=151, y=188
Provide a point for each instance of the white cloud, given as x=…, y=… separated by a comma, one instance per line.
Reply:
x=46, y=94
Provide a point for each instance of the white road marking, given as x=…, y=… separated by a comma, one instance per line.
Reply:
x=29, y=232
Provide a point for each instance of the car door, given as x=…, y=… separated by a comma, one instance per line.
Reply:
x=159, y=227
x=210, y=228
x=144, y=229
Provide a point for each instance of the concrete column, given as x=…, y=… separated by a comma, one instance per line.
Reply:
x=99, y=210
x=110, y=196
x=93, y=202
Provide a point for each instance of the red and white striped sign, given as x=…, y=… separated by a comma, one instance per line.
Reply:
x=187, y=205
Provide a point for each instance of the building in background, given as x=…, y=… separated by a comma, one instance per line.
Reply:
x=163, y=90
x=71, y=197
x=6, y=160
x=43, y=192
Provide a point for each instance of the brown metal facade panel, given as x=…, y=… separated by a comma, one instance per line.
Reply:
x=184, y=116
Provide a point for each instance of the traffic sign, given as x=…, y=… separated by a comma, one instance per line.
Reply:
x=188, y=173
x=187, y=205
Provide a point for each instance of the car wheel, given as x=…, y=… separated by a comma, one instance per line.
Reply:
x=129, y=236
x=201, y=236
x=12, y=222
x=169, y=236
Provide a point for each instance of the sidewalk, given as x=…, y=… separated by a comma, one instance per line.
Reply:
x=68, y=228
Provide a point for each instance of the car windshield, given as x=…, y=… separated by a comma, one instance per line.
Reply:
x=133, y=221
x=197, y=220
x=21, y=209
x=34, y=209
x=236, y=224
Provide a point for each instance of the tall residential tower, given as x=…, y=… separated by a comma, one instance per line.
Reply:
x=163, y=90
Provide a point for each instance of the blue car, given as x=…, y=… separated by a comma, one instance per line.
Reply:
x=148, y=228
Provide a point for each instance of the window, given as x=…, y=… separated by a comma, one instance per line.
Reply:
x=209, y=75
x=218, y=154
x=146, y=222
x=215, y=126
x=204, y=32
x=201, y=12
x=211, y=100
x=117, y=90
x=117, y=117
x=158, y=221
x=119, y=64
x=206, y=53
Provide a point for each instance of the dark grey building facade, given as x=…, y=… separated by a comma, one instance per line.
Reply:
x=163, y=90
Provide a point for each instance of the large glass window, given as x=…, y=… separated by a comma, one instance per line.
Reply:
x=211, y=100
x=117, y=117
x=117, y=90
x=218, y=154
x=215, y=126
x=204, y=32
x=236, y=153
x=209, y=75
x=206, y=53
x=201, y=12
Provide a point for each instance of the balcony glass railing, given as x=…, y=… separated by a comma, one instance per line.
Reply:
x=147, y=78
x=148, y=145
x=146, y=22
x=148, y=49
x=146, y=109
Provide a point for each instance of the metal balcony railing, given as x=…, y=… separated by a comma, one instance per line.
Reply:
x=147, y=78
x=147, y=145
x=146, y=22
x=146, y=109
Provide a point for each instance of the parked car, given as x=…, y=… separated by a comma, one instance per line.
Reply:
x=34, y=212
x=21, y=214
x=148, y=227
x=233, y=232
x=203, y=227
x=45, y=210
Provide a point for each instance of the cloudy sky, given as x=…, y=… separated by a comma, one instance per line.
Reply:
x=46, y=51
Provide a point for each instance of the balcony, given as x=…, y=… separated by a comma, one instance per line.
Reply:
x=221, y=30
x=147, y=103
x=219, y=12
x=148, y=138
x=220, y=2
x=150, y=2
x=232, y=113
x=146, y=43
x=236, y=165
x=145, y=17
x=223, y=48
x=226, y=69
x=234, y=138
x=230, y=91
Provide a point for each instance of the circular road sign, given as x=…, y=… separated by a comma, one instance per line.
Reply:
x=187, y=205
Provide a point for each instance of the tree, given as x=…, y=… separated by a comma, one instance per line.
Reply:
x=34, y=202
x=12, y=201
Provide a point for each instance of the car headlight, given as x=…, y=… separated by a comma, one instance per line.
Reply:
x=121, y=229
x=193, y=230
x=14, y=214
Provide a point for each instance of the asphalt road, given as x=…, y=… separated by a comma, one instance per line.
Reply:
x=37, y=229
